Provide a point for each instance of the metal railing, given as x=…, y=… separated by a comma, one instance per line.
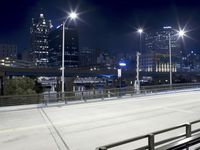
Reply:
x=89, y=95
x=152, y=145
x=191, y=142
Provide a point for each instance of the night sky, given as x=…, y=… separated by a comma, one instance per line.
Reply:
x=106, y=24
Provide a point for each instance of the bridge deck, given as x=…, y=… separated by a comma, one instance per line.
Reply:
x=86, y=126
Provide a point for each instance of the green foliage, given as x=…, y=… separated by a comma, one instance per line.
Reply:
x=20, y=86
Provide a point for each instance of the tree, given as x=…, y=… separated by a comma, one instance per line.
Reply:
x=19, y=86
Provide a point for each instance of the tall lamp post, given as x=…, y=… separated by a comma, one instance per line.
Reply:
x=72, y=16
x=137, y=82
x=180, y=33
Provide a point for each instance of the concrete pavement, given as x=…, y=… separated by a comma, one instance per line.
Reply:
x=86, y=126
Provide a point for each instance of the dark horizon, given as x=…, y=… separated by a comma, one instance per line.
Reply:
x=104, y=24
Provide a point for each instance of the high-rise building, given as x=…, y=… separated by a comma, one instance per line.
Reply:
x=158, y=41
x=8, y=50
x=88, y=57
x=71, y=47
x=39, y=41
x=156, y=55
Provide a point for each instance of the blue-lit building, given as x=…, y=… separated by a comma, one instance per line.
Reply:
x=71, y=47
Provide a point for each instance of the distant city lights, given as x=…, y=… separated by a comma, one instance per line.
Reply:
x=167, y=27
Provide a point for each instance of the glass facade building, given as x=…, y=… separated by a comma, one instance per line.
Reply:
x=39, y=41
x=71, y=47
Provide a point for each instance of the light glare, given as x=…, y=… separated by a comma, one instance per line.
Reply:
x=73, y=15
x=140, y=30
x=181, y=33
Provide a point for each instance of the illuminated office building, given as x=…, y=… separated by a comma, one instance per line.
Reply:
x=39, y=41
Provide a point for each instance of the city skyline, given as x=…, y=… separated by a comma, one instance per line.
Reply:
x=106, y=25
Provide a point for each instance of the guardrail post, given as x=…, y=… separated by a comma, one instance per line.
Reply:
x=108, y=93
x=188, y=130
x=65, y=100
x=48, y=97
x=151, y=141
x=94, y=93
x=81, y=94
x=132, y=92
x=119, y=94
x=102, y=94
x=45, y=102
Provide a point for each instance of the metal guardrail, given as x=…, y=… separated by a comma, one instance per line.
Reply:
x=183, y=144
x=152, y=145
x=85, y=96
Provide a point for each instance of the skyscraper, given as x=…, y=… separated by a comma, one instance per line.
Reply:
x=88, y=57
x=156, y=55
x=71, y=47
x=39, y=41
x=158, y=41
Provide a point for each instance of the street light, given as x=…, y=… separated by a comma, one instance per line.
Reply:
x=72, y=16
x=140, y=30
x=180, y=33
x=137, y=81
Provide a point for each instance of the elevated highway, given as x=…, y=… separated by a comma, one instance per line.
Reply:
x=84, y=72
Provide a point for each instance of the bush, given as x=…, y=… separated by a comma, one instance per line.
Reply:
x=20, y=86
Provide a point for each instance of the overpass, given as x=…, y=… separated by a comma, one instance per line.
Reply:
x=83, y=72
x=89, y=125
x=52, y=72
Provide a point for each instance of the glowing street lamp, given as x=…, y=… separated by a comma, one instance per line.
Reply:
x=72, y=16
x=140, y=30
x=181, y=33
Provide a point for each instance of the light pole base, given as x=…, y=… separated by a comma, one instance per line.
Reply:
x=137, y=86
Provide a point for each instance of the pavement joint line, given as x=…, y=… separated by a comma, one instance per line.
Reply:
x=51, y=132
x=56, y=130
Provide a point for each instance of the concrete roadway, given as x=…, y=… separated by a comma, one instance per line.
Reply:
x=86, y=126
